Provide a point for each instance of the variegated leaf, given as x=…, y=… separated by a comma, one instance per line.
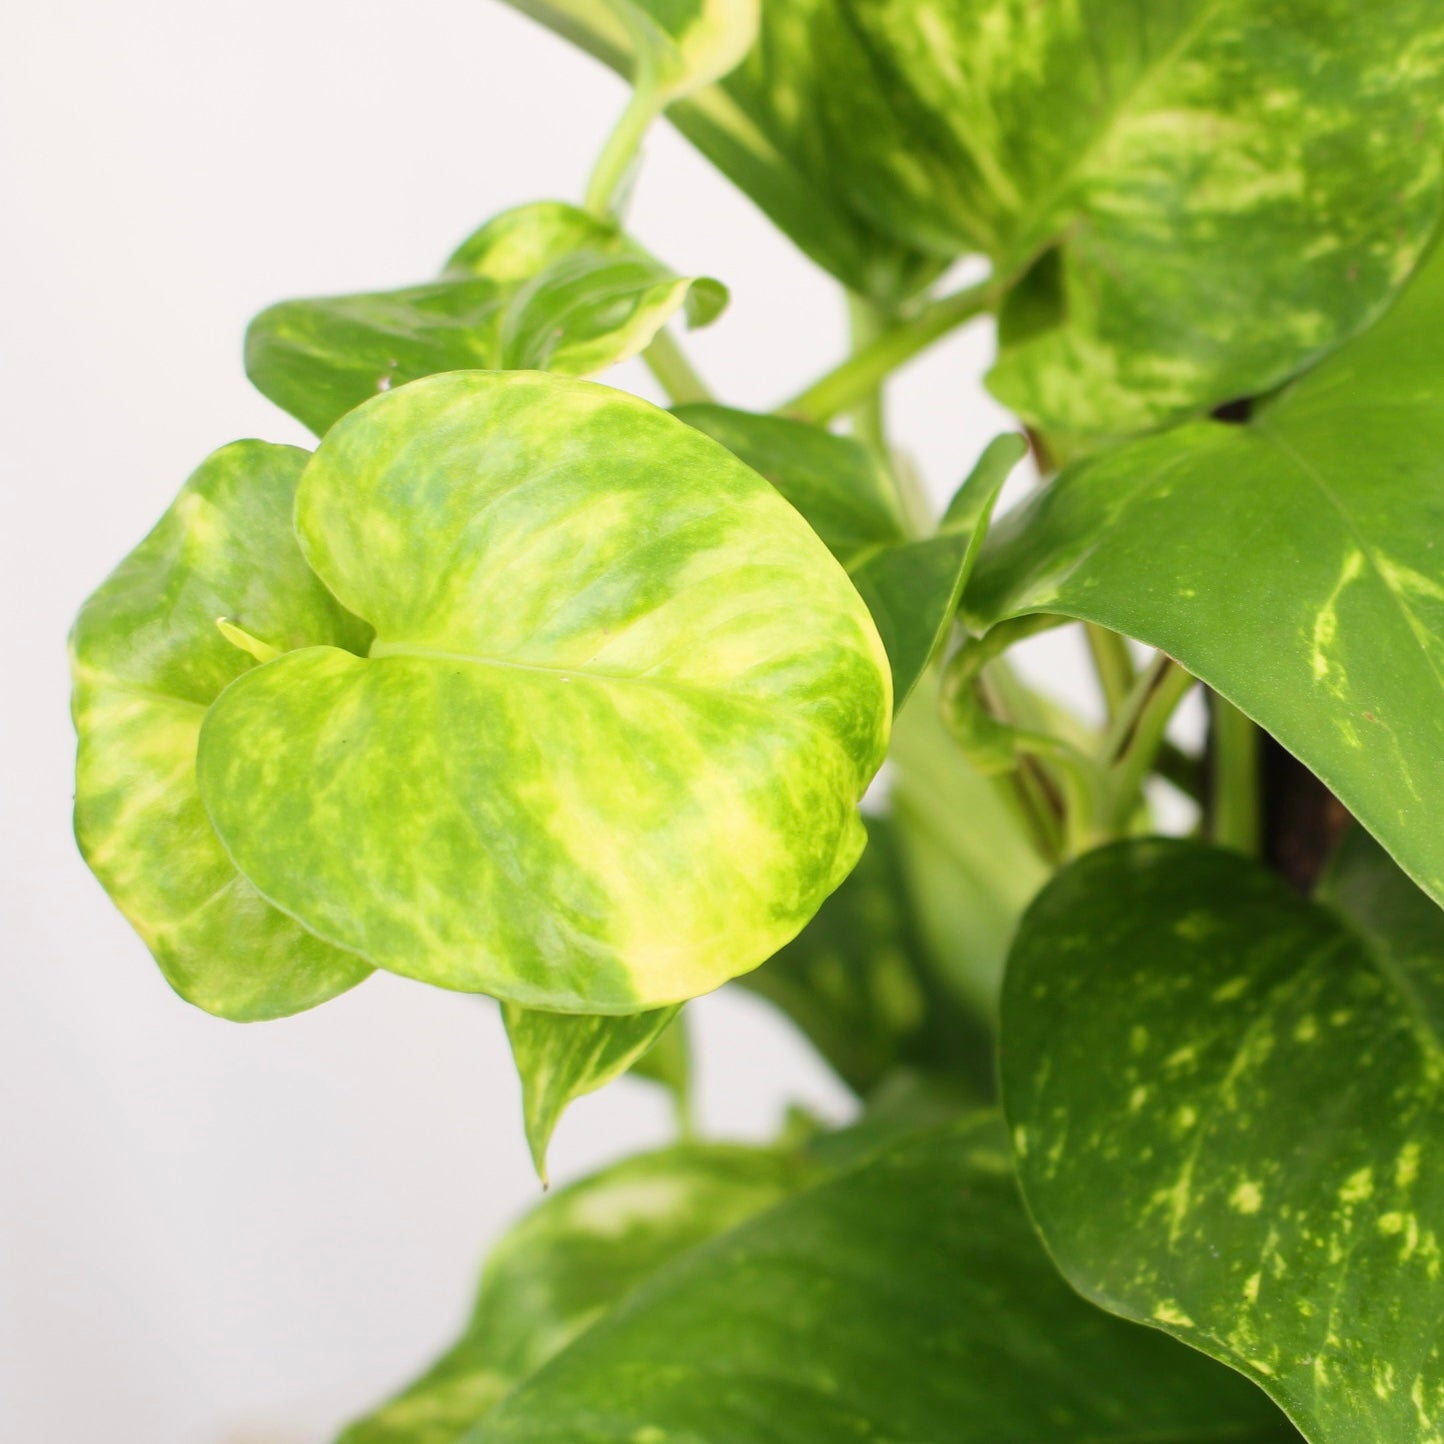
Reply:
x=1226, y=1102
x=148, y=659
x=1230, y=188
x=606, y=749
x=1293, y=563
x=544, y=287
x=902, y=1296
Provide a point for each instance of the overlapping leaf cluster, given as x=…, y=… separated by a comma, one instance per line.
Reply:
x=521, y=686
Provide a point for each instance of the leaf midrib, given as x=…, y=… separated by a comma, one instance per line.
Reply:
x=586, y=673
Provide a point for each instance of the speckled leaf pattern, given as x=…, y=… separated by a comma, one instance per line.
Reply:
x=578, y=1253
x=560, y=1057
x=757, y=127
x=861, y=984
x=912, y=586
x=1292, y=563
x=1233, y=187
x=606, y=750
x=147, y=659
x=904, y=1298
x=543, y=287
x=1225, y=1102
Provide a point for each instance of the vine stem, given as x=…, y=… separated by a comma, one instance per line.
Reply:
x=619, y=151
x=858, y=378
x=674, y=372
x=1237, y=799
x=1136, y=737
x=1113, y=665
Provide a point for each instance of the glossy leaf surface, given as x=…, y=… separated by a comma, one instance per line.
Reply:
x=542, y=287
x=1226, y=1100
x=1292, y=563
x=904, y=1297
x=912, y=586
x=606, y=749
x=147, y=659
x=1228, y=184
x=563, y=1056
x=860, y=982
x=578, y=1253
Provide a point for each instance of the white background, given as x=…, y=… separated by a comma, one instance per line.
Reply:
x=209, y=1233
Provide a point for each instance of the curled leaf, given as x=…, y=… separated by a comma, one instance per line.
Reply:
x=148, y=658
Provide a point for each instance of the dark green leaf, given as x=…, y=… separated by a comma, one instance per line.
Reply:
x=562, y=1056
x=911, y=587
x=576, y=1255
x=1225, y=1102
x=903, y=1298
x=544, y=287
x=1292, y=563
x=606, y=750
x=148, y=659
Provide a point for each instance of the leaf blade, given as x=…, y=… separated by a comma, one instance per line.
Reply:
x=1244, y=1169
x=553, y=791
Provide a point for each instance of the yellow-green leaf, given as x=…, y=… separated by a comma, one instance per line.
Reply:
x=148, y=658
x=606, y=749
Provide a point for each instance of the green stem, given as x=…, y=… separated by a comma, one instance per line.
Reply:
x=621, y=147
x=1237, y=792
x=674, y=372
x=1134, y=741
x=860, y=375
x=866, y=324
x=1114, y=665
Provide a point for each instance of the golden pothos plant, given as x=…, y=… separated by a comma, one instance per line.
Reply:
x=521, y=686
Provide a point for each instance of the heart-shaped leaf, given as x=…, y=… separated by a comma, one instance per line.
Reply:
x=560, y=1057
x=606, y=749
x=544, y=286
x=147, y=659
x=1292, y=563
x=1225, y=1102
x=576, y=1255
x=911, y=586
x=903, y=1297
x=1226, y=184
